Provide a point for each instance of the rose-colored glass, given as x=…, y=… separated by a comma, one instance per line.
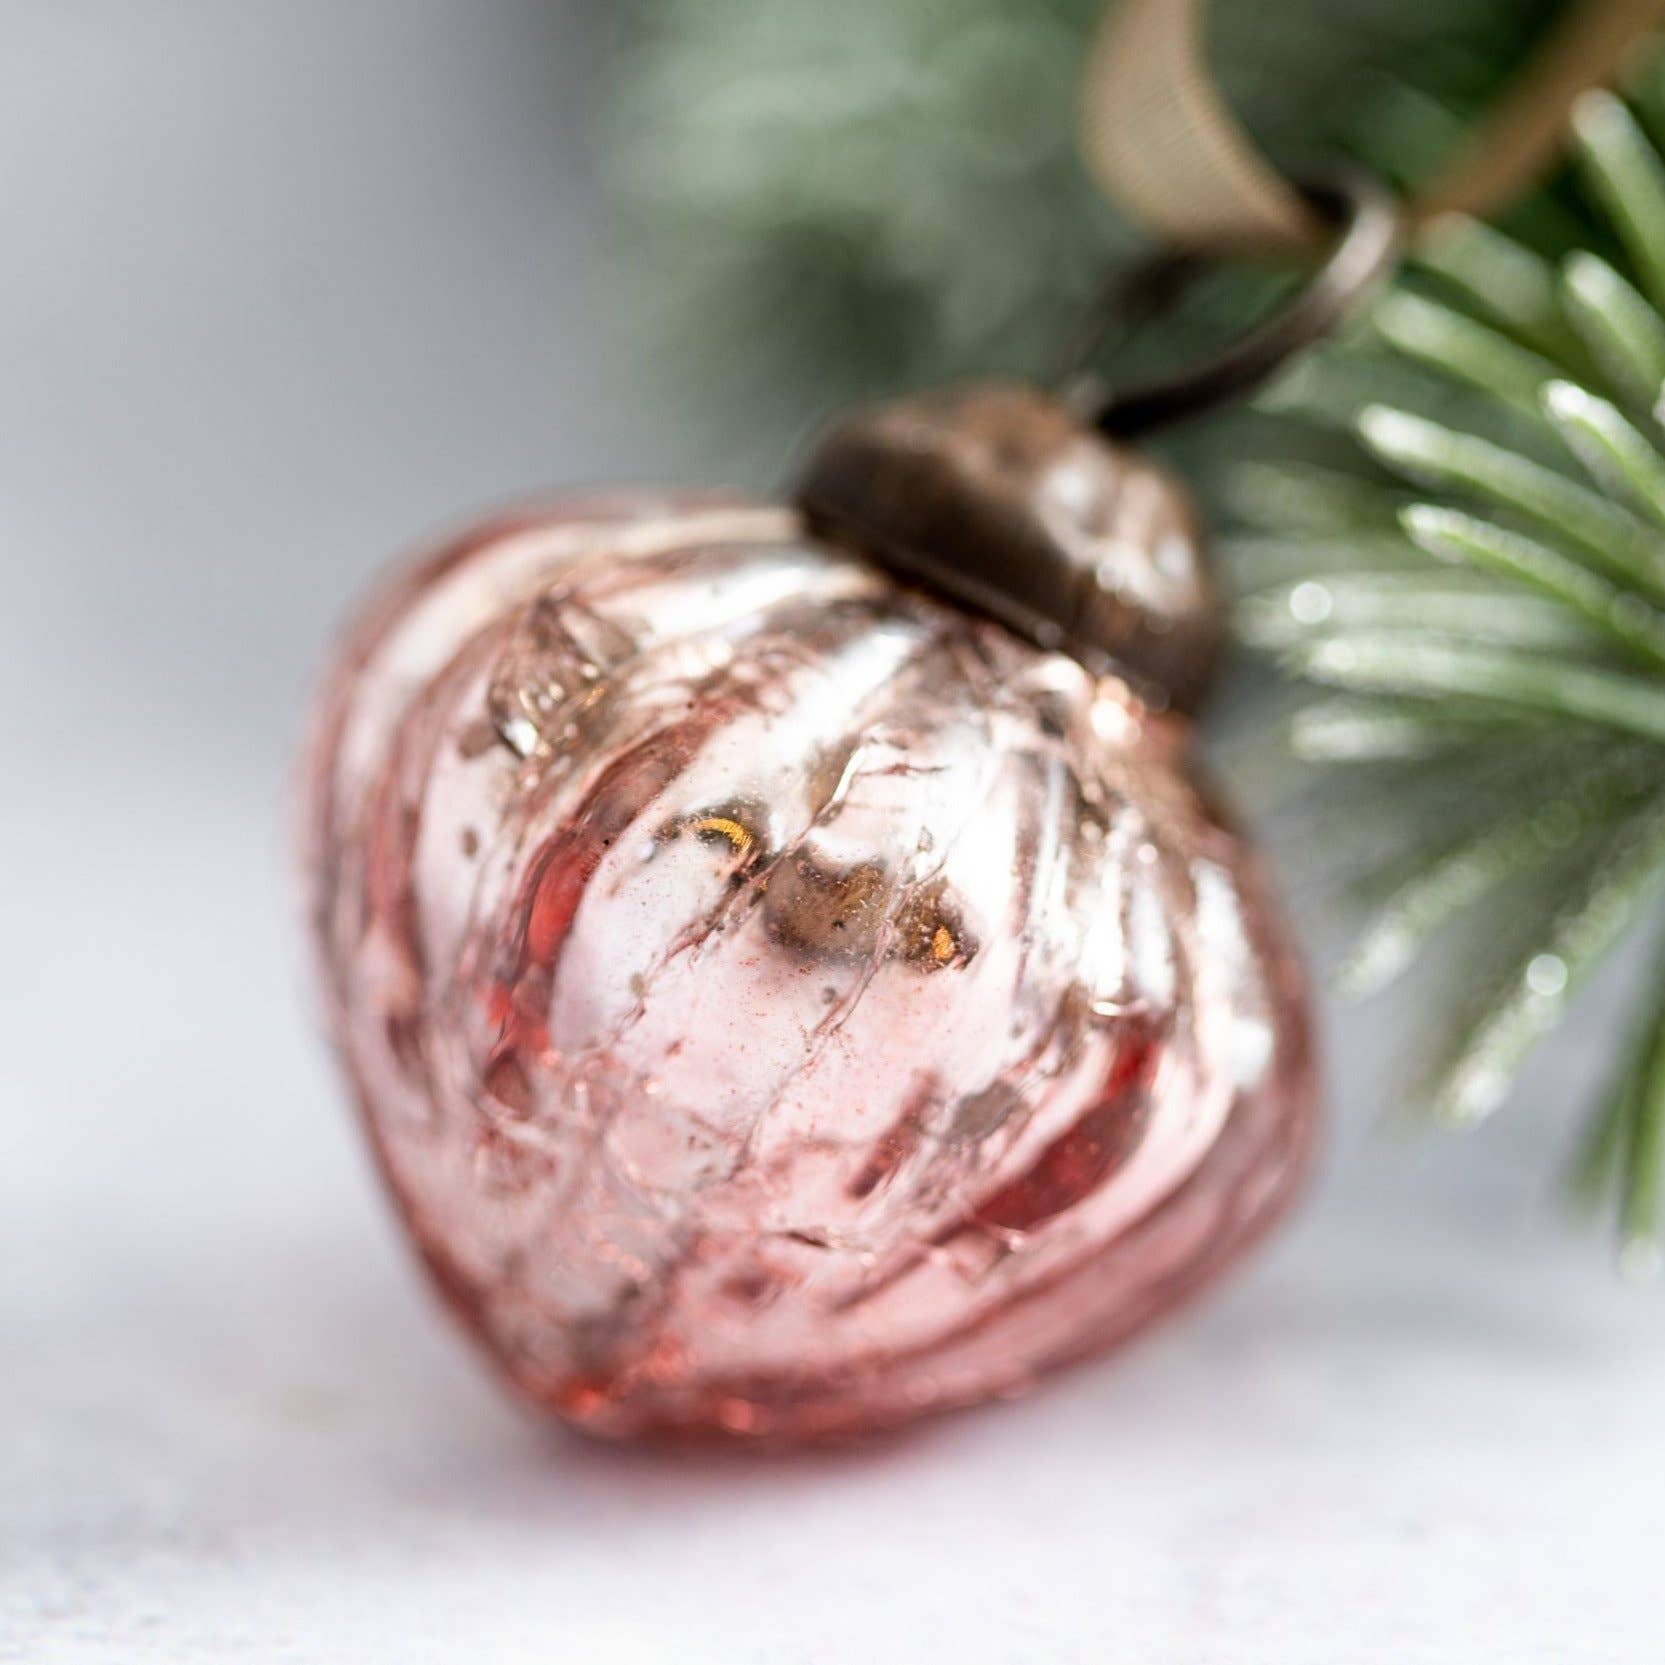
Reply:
x=782, y=1003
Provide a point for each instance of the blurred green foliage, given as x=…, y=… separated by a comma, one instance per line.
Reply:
x=826, y=201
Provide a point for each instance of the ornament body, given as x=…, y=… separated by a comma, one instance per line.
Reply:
x=783, y=1003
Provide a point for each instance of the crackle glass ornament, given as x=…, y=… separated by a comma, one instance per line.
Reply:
x=791, y=976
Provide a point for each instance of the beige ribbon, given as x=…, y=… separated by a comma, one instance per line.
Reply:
x=1159, y=139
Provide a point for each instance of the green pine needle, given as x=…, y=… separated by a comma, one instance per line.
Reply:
x=1599, y=1161
x=1627, y=176
x=1598, y=531
x=1639, y=1207
x=1621, y=1156
x=1283, y=616
x=1251, y=562
x=1501, y=281
x=1530, y=997
x=1364, y=731
x=1451, y=535
x=1347, y=730
x=1617, y=455
x=1457, y=345
x=1307, y=498
x=1624, y=335
x=1423, y=666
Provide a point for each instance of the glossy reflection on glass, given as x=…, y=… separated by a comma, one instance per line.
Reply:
x=780, y=1003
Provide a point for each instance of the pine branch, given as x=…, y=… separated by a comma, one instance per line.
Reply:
x=1527, y=661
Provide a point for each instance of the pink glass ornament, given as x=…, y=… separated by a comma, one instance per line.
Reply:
x=782, y=1002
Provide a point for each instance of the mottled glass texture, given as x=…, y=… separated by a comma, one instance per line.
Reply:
x=782, y=1004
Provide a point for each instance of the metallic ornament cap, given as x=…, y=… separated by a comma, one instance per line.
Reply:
x=1000, y=497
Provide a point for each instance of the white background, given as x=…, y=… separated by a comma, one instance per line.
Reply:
x=286, y=284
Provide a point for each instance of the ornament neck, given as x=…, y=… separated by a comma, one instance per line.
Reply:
x=999, y=496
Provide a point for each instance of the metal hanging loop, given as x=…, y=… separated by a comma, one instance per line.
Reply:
x=1367, y=240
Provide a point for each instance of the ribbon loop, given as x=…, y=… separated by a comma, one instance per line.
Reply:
x=1165, y=148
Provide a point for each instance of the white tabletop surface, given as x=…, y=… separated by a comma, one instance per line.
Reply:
x=287, y=284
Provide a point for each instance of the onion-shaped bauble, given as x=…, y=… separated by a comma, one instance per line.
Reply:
x=781, y=1002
